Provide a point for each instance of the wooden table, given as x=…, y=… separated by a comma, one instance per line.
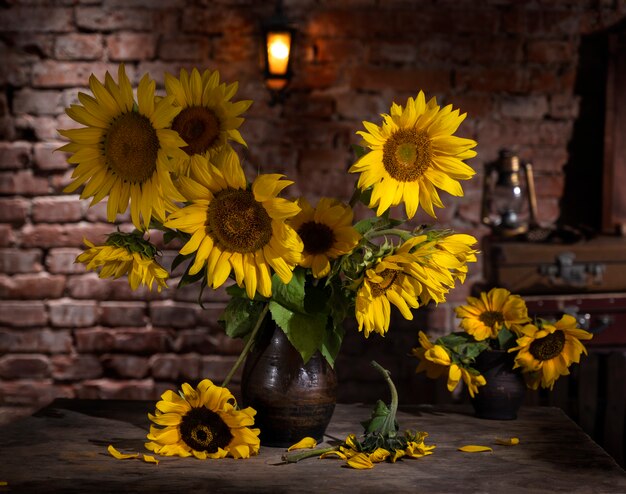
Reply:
x=63, y=449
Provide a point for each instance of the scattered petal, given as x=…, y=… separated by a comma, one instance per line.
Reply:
x=150, y=459
x=304, y=443
x=120, y=456
x=470, y=448
x=3, y=483
x=360, y=461
x=512, y=441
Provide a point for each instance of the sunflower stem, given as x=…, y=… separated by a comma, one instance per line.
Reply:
x=247, y=347
x=296, y=457
x=403, y=234
x=356, y=194
x=389, y=426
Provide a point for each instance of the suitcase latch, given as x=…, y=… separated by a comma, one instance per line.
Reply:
x=565, y=270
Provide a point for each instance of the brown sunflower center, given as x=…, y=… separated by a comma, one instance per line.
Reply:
x=237, y=222
x=199, y=127
x=389, y=277
x=407, y=154
x=491, y=318
x=204, y=430
x=131, y=147
x=549, y=346
x=318, y=238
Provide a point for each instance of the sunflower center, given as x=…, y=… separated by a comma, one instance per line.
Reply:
x=204, y=430
x=317, y=237
x=491, y=318
x=199, y=127
x=549, y=346
x=237, y=222
x=131, y=147
x=389, y=276
x=407, y=154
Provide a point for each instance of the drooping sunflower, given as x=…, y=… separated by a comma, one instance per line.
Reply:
x=204, y=422
x=123, y=151
x=484, y=317
x=237, y=228
x=208, y=120
x=546, y=350
x=326, y=233
x=435, y=361
x=125, y=255
x=388, y=282
x=412, y=154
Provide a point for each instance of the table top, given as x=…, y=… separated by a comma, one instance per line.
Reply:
x=63, y=448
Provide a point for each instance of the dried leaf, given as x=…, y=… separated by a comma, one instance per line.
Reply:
x=471, y=448
x=307, y=442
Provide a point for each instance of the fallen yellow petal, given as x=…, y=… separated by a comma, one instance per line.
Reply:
x=470, y=448
x=333, y=454
x=360, y=461
x=150, y=459
x=507, y=442
x=3, y=483
x=120, y=456
x=307, y=442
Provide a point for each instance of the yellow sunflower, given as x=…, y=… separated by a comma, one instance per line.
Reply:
x=484, y=317
x=326, y=233
x=545, y=350
x=412, y=154
x=208, y=120
x=435, y=361
x=203, y=422
x=237, y=228
x=124, y=147
x=119, y=258
x=388, y=282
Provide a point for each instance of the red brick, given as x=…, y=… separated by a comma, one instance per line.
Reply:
x=34, y=19
x=311, y=106
x=381, y=78
x=173, y=314
x=31, y=286
x=77, y=46
x=528, y=107
x=58, y=209
x=98, y=213
x=157, y=70
x=14, y=261
x=24, y=366
x=7, y=238
x=31, y=42
x=549, y=159
x=36, y=102
x=123, y=47
x=233, y=47
x=398, y=51
x=94, y=340
x=492, y=79
x=315, y=76
x=72, y=313
x=75, y=367
x=23, y=182
x=564, y=106
x=60, y=235
x=146, y=4
x=36, y=393
x=61, y=260
x=14, y=210
x=43, y=128
x=184, y=48
x=165, y=366
x=548, y=210
x=323, y=159
x=35, y=341
x=51, y=73
x=140, y=341
x=126, y=366
x=190, y=367
x=123, y=313
x=217, y=21
x=99, y=19
x=549, y=51
x=23, y=314
x=216, y=367
x=108, y=389
x=90, y=286
x=549, y=185
x=361, y=106
x=474, y=104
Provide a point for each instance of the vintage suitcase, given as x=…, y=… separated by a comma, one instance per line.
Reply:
x=593, y=266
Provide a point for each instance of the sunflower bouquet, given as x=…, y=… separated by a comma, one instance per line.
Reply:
x=169, y=159
x=498, y=321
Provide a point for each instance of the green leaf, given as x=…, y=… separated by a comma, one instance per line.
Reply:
x=359, y=151
x=377, y=419
x=179, y=259
x=292, y=294
x=506, y=339
x=306, y=332
x=240, y=316
x=332, y=342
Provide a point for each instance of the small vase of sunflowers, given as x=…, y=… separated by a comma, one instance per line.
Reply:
x=501, y=351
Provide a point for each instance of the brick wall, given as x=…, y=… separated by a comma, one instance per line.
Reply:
x=64, y=333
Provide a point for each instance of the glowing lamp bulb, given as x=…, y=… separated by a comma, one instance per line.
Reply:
x=278, y=48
